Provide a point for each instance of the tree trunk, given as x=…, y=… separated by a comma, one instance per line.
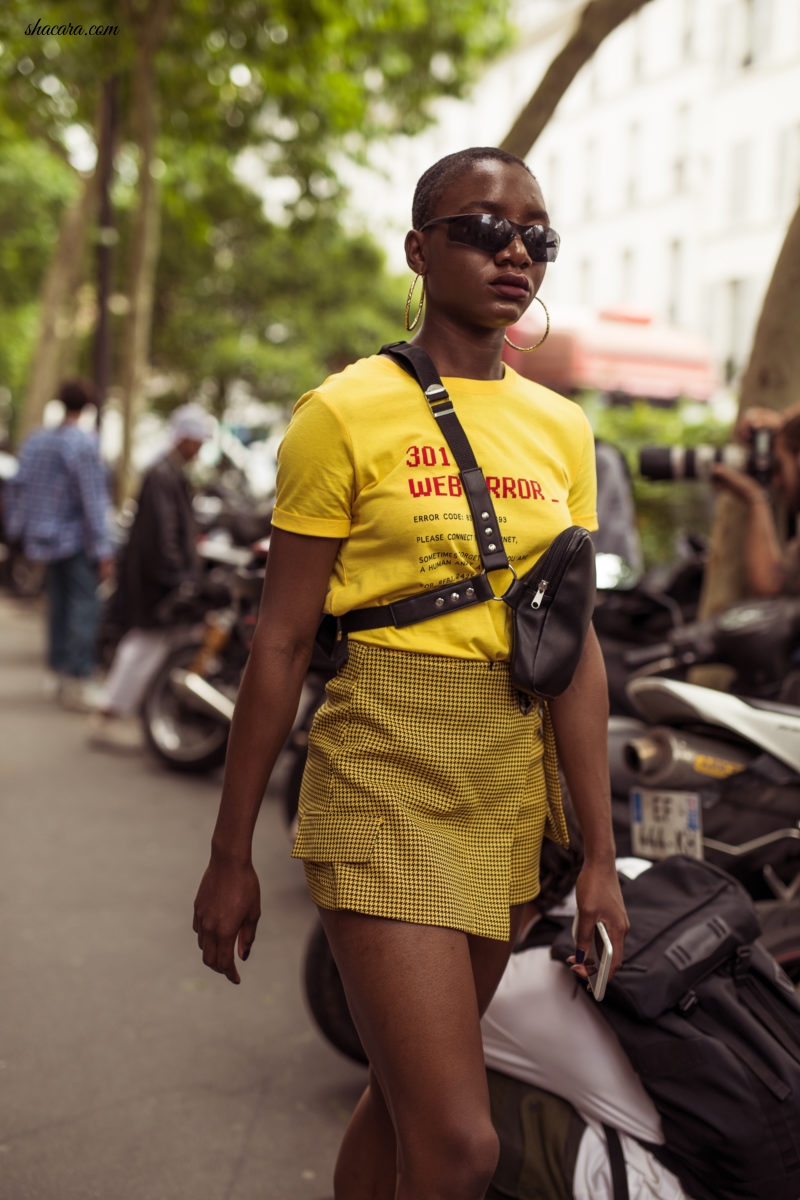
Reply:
x=597, y=20
x=771, y=380
x=145, y=236
x=56, y=325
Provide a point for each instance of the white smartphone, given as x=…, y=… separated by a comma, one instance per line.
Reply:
x=603, y=954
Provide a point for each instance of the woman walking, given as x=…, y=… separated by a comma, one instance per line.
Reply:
x=429, y=784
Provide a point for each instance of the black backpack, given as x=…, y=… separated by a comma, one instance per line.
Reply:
x=711, y=1024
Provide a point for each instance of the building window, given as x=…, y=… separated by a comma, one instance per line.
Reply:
x=739, y=181
x=736, y=349
x=590, y=178
x=675, y=281
x=585, y=282
x=726, y=37
x=594, y=77
x=787, y=169
x=551, y=183
x=633, y=165
x=637, y=62
x=680, y=164
x=756, y=31
x=687, y=33
x=627, y=278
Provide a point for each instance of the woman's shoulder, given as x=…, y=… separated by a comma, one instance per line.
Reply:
x=366, y=382
x=544, y=398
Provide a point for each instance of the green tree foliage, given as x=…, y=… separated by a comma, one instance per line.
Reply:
x=241, y=298
x=299, y=77
x=34, y=187
x=297, y=82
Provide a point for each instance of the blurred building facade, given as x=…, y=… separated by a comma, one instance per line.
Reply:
x=671, y=168
x=673, y=164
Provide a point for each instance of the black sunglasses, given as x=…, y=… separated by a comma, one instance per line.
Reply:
x=487, y=232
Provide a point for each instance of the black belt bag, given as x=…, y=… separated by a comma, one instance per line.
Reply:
x=552, y=603
x=552, y=607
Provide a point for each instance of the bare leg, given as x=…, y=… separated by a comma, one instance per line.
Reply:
x=366, y=1168
x=422, y=1130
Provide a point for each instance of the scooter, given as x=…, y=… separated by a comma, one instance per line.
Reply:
x=637, y=612
x=732, y=759
x=188, y=706
x=717, y=774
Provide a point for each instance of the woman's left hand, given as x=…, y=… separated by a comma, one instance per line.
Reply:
x=599, y=898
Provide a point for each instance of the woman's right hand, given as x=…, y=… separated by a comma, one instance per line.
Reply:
x=739, y=484
x=228, y=903
x=226, y=911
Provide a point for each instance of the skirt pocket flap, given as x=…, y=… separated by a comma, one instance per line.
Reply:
x=336, y=837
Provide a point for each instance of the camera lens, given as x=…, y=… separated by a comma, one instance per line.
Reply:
x=688, y=462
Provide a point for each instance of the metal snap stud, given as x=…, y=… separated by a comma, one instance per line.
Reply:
x=439, y=602
x=454, y=596
x=484, y=516
x=488, y=530
x=470, y=592
x=491, y=546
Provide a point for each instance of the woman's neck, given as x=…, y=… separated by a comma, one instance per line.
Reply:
x=457, y=352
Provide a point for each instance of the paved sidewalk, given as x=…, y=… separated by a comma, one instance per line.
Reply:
x=128, y=1071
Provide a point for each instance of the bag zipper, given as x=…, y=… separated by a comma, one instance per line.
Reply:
x=553, y=561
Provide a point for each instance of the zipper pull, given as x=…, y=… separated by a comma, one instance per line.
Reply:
x=537, y=599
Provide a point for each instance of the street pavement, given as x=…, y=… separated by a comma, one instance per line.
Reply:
x=128, y=1070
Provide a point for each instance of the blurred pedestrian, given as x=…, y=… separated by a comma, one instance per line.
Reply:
x=58, y=508
x=159, y=560
x=617, y=532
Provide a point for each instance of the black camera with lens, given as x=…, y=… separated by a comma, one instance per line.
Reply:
x=695, y=462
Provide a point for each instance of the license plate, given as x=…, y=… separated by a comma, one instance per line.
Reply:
x=664, y=823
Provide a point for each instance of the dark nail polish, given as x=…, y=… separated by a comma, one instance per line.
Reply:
x=580, y=955
x=246, y=955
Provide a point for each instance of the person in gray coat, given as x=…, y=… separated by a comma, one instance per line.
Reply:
x=159, y=558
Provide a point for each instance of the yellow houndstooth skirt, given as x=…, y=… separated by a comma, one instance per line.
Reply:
x=427, y=792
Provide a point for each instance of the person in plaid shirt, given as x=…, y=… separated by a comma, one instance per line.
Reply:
x=58, y=509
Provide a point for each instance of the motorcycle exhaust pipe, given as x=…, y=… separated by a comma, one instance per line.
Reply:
x=665, y=758
x=199, y=694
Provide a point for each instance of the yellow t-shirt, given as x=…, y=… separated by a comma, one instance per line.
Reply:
x=363, y=460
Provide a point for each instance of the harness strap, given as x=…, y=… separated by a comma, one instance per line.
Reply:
x=418, y=364
x=463, y=594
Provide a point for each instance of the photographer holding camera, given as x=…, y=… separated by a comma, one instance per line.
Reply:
x=771, y=569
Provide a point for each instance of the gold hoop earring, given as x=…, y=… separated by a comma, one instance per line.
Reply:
x=543, y=338
x=415, y=322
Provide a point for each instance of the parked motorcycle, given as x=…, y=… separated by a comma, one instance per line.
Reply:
x=717, y=773
x=188, y=706
x=634, y=612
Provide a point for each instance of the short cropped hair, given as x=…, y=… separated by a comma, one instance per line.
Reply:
x=75, y=394
x=443, y=172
